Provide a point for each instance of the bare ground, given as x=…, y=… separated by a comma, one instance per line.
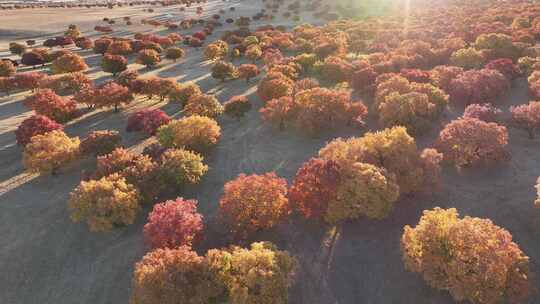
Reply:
x=45, y=258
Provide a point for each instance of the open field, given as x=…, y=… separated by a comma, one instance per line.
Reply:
x=46, y=258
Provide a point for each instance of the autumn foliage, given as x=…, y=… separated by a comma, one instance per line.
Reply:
x=180, y=168
x=35, y=125
x=45, y=102
x=105, y=203
x=445, y=250
x=477, y=86
x=527, y=117
x=254, y=202
x=173, y=224
x=48, y=152
x=100, y=142
x=470, y=141
x=147, y=120
x=237, y=106
x=197, y=133
x=203, y=105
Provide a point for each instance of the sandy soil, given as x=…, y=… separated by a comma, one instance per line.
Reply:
x=45, y=258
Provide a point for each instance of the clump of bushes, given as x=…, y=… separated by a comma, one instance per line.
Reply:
x=470, y=141
x=35, y=125
x=48, y=152
x=100, y=142
x=105, y=203
x=445, y=250
x=198, y=133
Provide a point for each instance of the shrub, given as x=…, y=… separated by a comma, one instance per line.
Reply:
x=120, y=47
x=203, y=105
x=114, y=64
x=411, y=110
x=223, y=70
x=46, y=153
x=99, y=143
x=173, y=224
x=470, y=141
x=261, y=274
x=180, y=168
x=35, y=125
x=253, y=202
x=486, y=112
x=147, y=120
x=46, y=102
x=126, y=77
x=111, y=94
x=148, y=57
x=178, y=275
x=216, y=50
x=273, y=86
x=17, y=48
x=174, y=53
x=444, y=249
x=468, y=58
x=477, y=86
x=442, y=75
x=248, y=71
x=497, y=46
x=314, y=186
x=32, y=58
x=505, y=66
x=253, y=52
x=195, y=132
x=391, y=149
x=84, y=43
x=364, y=190
x=68, y=63
x=105, y=203
x=182, y=93
x=7, y=68
x=101, y=45
x=237, y=106
x=527, y=117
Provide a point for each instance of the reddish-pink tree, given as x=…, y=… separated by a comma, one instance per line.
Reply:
x=477, y=86
x=147, y=120
x=527, y=117
x=173, y=223
x=486, y=112
x=35, y=125
x=47, y=103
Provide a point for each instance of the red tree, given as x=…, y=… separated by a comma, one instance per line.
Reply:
x=36, y=124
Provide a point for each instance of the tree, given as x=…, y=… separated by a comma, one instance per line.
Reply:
x=46, y=153
x=335, y=70
x=68, y=63
x=442, y=75
x=223, y=70
x=115, y=162
x=391, y=149
x=261, y=274
x=84, y=43
x=148, y=58
x=112, y=94
x=120, y=47
x=147, y=120
x=470, y=141
x=216, y=50
x=114, y=64
x=180, y=168
x=66, y=84
x=477, y=86
x=496, y=45
x=411, y=110
x=527, y=117
x=26, y=81
x=254, y=52
x=278, y=111
x=365, y=190
x=46, y=102
x=32, y=58
x=203, y=105
x=17, y=48
x=486, y=112
x=35, y=125
x=174, y=53
x=505, y=66
x=126, y=77
x=173, y=224
x=195, y=132
x=237, y=106
x=314, y=186
x=179, y=275
x=253, y=202
x=445, y=250
x=248, y=71
x=274, y=85
x=7, y=68
x=468, y=58
x=101, y=45
x=99, y=143
x=105, y=203
x=182, y=93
